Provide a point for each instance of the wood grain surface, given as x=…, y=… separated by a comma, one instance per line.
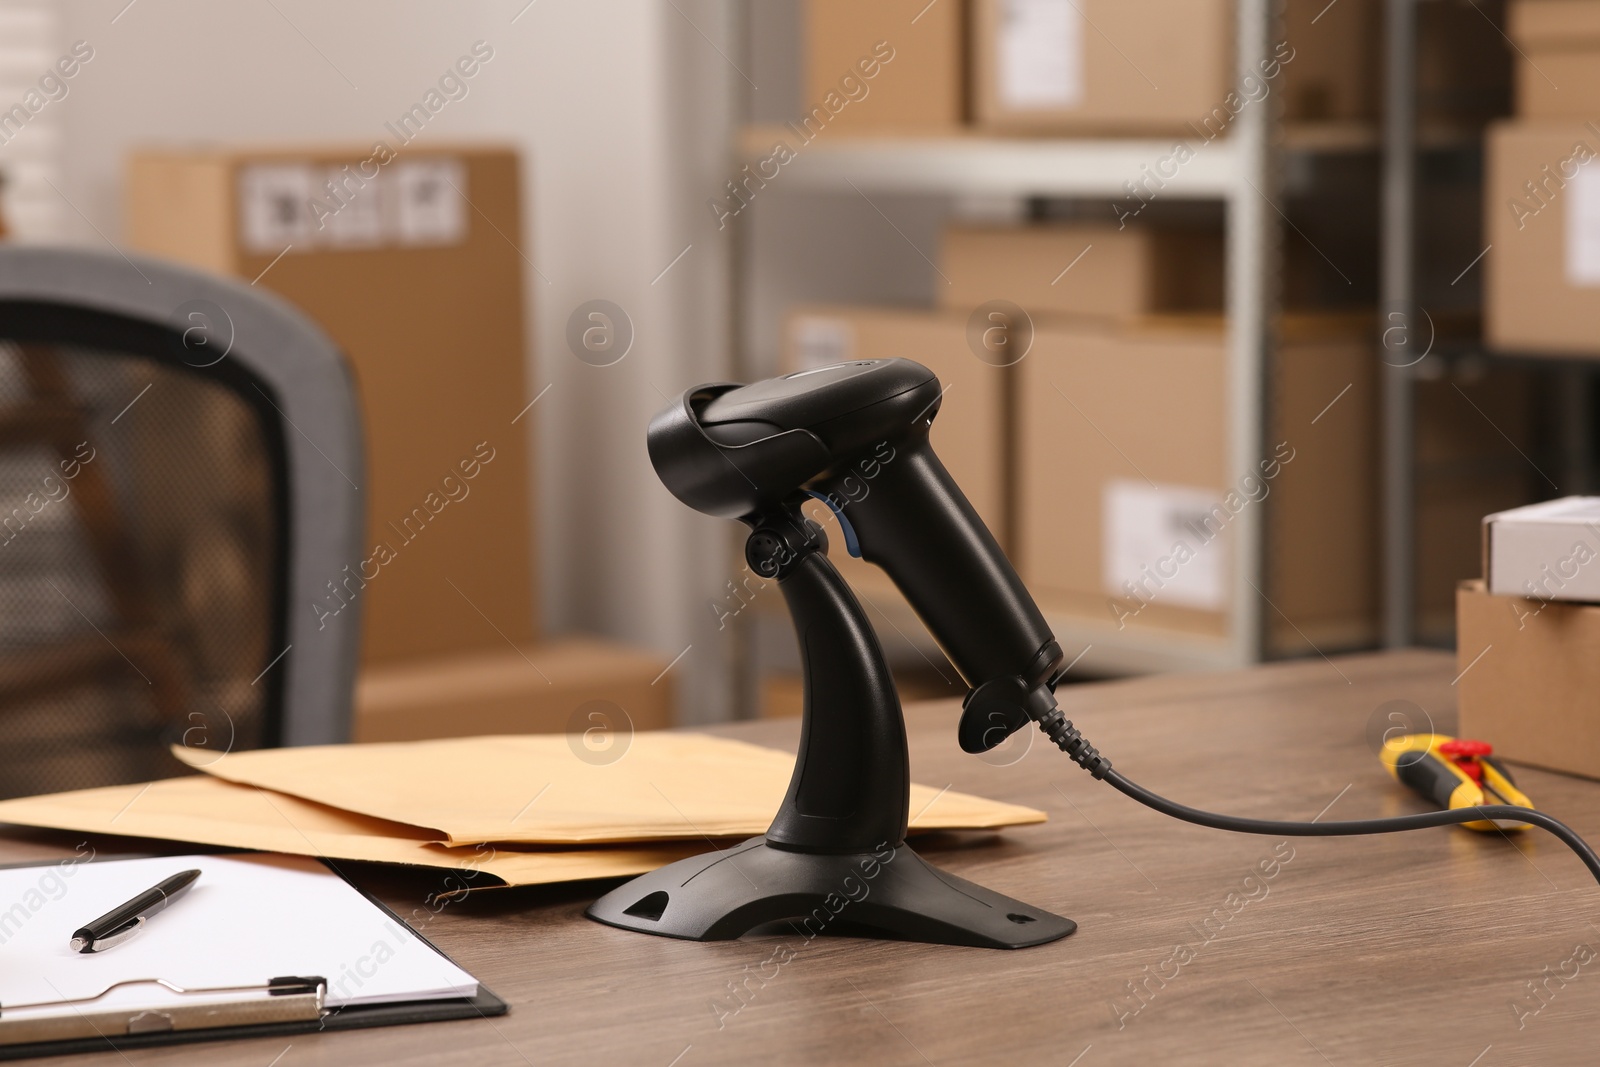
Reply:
x=1420, y=948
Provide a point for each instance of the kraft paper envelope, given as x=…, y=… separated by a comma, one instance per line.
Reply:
x=549, y=789
x=210, y=811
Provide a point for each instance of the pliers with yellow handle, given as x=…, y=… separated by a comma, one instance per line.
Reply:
x=1454, y=773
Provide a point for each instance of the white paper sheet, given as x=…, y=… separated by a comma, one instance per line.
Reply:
x=275, y=203
x=246, y=920
x=1583, y=227
x=429, y=204
x=1167, y=541
x=1040, y=54
x=354, y=218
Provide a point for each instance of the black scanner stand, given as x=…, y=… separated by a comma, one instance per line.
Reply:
x=834, y=859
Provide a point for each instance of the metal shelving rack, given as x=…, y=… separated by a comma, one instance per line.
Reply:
x=1238, y=171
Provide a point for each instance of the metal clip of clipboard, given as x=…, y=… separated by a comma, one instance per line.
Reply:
x=279, y=1000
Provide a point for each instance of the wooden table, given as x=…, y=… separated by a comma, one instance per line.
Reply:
x=1416, y=948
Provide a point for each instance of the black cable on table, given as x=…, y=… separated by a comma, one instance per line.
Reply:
x=1067, y=737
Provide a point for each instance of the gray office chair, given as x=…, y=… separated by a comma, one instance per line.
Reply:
x=180, y=463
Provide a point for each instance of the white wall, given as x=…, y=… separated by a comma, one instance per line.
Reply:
x=621, y=109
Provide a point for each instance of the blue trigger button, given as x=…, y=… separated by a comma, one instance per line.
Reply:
x=851, y=545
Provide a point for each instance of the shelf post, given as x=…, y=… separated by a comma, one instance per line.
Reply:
x=1252, y=246
x=1395, y=328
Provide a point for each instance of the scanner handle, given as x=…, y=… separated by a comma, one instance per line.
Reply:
x=910, y=518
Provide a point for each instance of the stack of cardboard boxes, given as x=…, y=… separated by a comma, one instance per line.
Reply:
x=1150, y=67
x=1542, y=191
x=1126, y=493
x=1073, y=66
x=1528, y=633
x=1086, y=415
x=1111, y=433
x=404, y=259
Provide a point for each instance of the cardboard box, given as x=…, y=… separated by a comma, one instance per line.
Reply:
x=1542, y=217
x=883, y=67
x=968, y=434
x=1082, y=269
x=1557, y=69
x=415, y=279
x=1123, y=433
x=552, y=688
x=1336, y=71
x=1546, y=551
x=1114, y=66
x=1531, y=678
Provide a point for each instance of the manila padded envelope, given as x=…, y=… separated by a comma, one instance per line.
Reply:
x=537, y=789
x=210, y=811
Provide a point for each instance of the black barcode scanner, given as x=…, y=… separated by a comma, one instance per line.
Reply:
x=855, y=435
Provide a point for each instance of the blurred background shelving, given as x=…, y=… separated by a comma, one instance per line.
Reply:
x=1345, y=163
x=858, y=219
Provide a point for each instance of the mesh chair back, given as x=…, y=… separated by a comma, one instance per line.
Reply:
x=154, y=492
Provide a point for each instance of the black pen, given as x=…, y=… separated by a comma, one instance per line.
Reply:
x=125, y=920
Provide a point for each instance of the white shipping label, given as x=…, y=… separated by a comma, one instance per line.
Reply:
x=351, y=214
x=819, y=341
x=275, y=201
x=1166, y=541
x=1040, y=54
x=1583, y=226
x=430, y=202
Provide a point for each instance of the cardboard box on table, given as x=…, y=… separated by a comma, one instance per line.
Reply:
x=1531, y=681
x=408, y=261
x=1123, y=432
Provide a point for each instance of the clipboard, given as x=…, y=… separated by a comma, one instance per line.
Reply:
x=279, y=1006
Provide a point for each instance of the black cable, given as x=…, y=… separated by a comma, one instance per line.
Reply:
x=1064, y=735
x=1356, y=827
